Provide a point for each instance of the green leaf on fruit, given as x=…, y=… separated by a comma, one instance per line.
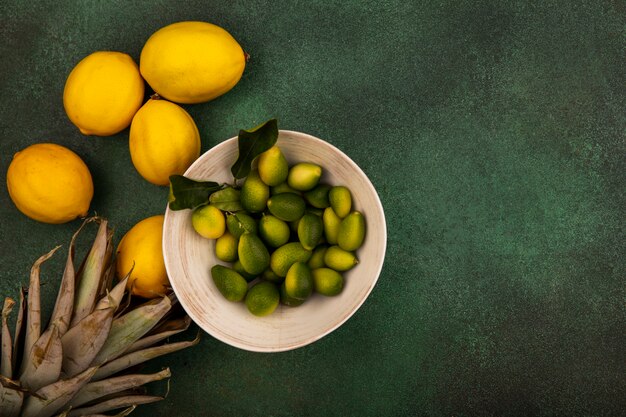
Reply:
x=186, y=193
x=226, y=199
x=252, y=143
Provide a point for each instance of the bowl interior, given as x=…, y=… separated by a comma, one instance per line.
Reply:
x=189, y=257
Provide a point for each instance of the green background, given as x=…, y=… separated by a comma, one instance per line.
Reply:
x=494, y=134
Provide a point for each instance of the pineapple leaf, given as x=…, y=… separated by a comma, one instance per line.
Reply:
x=17, y=386
x=141, y=356
x=83, y=341
x=167, y=329
x=33, y=317
x=98, y=389
x=173, y=324
x=109, y=273
x=10, y=401
x=53, y=397
x=10, y=383
x=44, y=366
x=91, y=276
x=114, y=297
x=125, y=412
x=125, y=302
x=6, y=360
x=122, y=413
x=62, y=313
x=89, y=326
x=129, y=328
x=19, y=330
x=114, y=404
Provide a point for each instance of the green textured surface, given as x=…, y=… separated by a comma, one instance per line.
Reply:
x=495, y=136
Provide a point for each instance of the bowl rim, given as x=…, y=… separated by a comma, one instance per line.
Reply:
x=238, y=344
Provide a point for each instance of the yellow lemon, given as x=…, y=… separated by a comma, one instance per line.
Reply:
x=50, y=183
x=164, y=141
x=103, y=93
x=140, y=250
x=192, y=62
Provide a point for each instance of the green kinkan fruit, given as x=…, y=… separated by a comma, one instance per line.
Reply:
x=310, y=231
x=351, y=231
x=283, y=188
x=226, y=247
x=299, y=281
x=287, y=300
x=254, y=193
x=314, y=210
x=340, y=200
x=332, y=222
x=327, y=281
x=317, y=259
x=230, y=283
x=339, y=259
x=304, y=176
x=285, y=256
x=274, y=231
x=270, y=276
x=262, y=299
x=318, y=196
x=286, y=206
x=239, y=223
x=273, y=167
x=253, y=254
x=293, y=226
x=95, y=332
x=238, y=267
x=208, y=221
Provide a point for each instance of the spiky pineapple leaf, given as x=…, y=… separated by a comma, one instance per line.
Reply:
x=6, y=357
x=64, y=305
x=19, y=330
x=98, y=389
x=114, y=404
x=110, y=270
x=122, y=413
x=169, y=328
x=141, y=356
x=91, y=276
x=33, y=316
x=44, y=364
x=44, y=349
x=10, y=401
x=53, y=397
x=83, y=341
x=114, y=297
x=129, y=328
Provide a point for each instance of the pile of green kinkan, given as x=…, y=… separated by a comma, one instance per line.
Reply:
x=285, y=233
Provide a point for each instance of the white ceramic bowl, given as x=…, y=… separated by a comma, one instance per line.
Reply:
x=189, y=257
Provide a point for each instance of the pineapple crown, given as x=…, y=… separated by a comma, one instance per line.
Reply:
x=79, y=365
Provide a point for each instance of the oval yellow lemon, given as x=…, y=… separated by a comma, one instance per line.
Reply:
x=103, y=93
x=140, y=250
x=49, y=183
x=192, y=62
x=164, y=141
